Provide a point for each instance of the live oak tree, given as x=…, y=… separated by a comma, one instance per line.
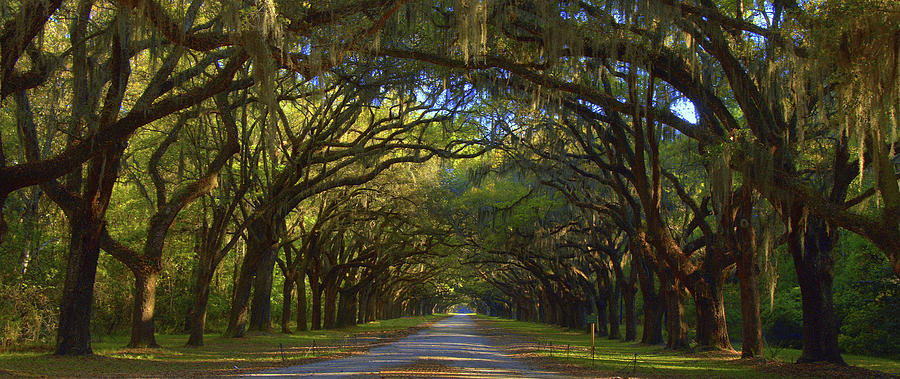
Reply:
x=344, y=140
x=791, y=116
x=147, y=264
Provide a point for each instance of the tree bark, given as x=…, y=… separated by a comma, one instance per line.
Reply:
x=73, y=335
x=86, y=218
x=709, y=298
x=286, y=305
x=674, y=298
x=751, y=322
x=653, y=307
x=198, y=309
x=301, y=302
x=363, y=306
x=330, y=303
x=740, y=231
x=261, y=305
x=630, y=315
x=602, y=319
x=601, y=303
x=143, y=329
x=237, y=316
x=371, y=307
x=814, y=265
x=346, y=309
x=209, y=257
x=613, y=307
x=711, y=333
x=261, y=238
x=316, y=314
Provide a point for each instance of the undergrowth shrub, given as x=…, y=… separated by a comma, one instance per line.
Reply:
x=28, y=315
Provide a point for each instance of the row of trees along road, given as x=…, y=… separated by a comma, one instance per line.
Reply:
x=669, y=142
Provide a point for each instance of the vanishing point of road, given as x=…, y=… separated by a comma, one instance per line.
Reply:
x=451, y=348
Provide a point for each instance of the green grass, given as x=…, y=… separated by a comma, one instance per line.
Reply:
x=629, y=358
x=887, y=365
x=219, y=356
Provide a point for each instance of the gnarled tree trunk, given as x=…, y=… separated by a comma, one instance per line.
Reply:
x=73, y=335
x=143, y=329
x=751, y=322
x=330, y=304
x=815, y=273
x=614, y=312
x=301, y=302
x=316, y=312
x=197, y=317
x=708, y=290
x=629, y=292
x=346, y=309
x=674, y=299
x=287, y=291
x=653, y=305
x=261, y=304
x=261, y=237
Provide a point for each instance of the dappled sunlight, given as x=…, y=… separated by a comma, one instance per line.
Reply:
x=558, y=348
x=450, y=348
x=219, y=356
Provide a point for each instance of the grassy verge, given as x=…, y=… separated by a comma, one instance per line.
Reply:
x=220, y=356
x=613, y=357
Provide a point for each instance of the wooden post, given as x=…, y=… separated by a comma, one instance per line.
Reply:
x=593, y=328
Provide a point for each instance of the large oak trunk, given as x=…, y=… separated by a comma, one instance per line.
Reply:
x=197, y=317
x=653, y=305
x=815, y=273
x=743, y=235
x=363, y=301
x=576, y=314
x=711, y=330
x=602, y=319
x=316, y=312
x=676, y=328
x=554, y=309
x=546, y=310
x=748, y=278
x=261, y=304
x=709, y=298
x=260, y=237
x=613, y=307
x=653, y=299
x=86, y=219
x=372, y=307
x=143, y=329
x=73, y=335
x=287, y=291
x=330, y=303
x=630, y=316
x=237, y=316
x=346, y=309
x=601, y=303
x=301, y=302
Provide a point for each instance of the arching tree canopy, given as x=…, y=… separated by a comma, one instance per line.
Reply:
x=536, y=159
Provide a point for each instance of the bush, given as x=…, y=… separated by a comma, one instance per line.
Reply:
x=867, y=296
x=27, y=315
x=782, y=326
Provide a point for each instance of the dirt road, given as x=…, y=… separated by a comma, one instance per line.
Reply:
x=451, y=348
